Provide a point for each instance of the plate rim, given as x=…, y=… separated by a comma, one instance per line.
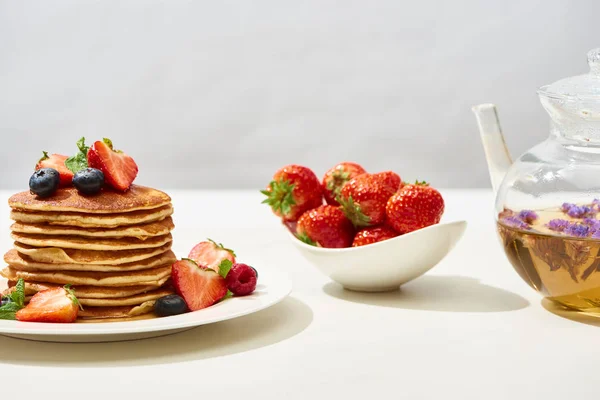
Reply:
x=279, y=292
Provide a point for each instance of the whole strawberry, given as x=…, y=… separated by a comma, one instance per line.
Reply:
x=414, y=207
x=373, y=235
x=363, y=200
x=390, y=179
x=325, y=226
x=293, y=190
x=336, y=178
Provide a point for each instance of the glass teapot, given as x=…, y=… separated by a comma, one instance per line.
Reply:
x=548, y=201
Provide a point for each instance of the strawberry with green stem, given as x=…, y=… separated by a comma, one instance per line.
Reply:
x=325, y=226
x=336, y=177
x=363, y=200
x=293, y=190
x=210, y=254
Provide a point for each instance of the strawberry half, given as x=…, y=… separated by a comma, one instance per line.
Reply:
x=199, y=287
x=51, y=305
x=118, y=168
x=211, y=254
x=56, y=161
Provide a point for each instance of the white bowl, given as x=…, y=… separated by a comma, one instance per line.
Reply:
x=386, y=265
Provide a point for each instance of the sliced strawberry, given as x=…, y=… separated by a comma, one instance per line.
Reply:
x=210, y=254
x=118, y=168
x=51, y=305
x=199, y=287
x=56, y=161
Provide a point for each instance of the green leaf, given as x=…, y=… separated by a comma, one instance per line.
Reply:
x=109, y=143
x=79, y=161
x=9, y=310
x=280, y=197
x=71, y=294
x=303, y=237
x=220, y=246
x=18, y=294
x=44, y=156
x=225, y=267
x=353, y=212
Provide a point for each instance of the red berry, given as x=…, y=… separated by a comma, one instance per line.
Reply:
x=51, y=305
x=241, y=279
x=199, y=287
x=325, y=226
x=336, y=178
x=373, y=235
x=118, y=168
x=414, y=207
x=293, y=190
x=56, y=161
x=210, y=254
x=364, y=198
x=390, y=179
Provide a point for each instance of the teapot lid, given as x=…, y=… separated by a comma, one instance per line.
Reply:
x=584, y=86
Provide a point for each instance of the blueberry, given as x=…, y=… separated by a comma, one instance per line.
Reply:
x=170, y=305
x=89, y=180
x=44, y=182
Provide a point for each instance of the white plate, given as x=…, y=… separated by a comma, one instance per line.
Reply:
x=272, y=287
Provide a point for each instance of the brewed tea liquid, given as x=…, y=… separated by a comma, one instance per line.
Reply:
x=563, y=268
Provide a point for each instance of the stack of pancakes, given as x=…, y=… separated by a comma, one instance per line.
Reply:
x=114, y=248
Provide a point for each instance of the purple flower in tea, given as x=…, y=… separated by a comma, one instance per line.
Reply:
x=596, y=203
x=577, y=230
x=567, y=206
x=515, y=222
x=596, y=235
x=558, y=225
x=592, y=223
x=528, y=216
x=579, y=211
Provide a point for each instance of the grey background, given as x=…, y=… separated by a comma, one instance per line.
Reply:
x=219, y=94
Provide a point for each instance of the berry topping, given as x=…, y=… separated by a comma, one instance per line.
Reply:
x=241, y=279
x=293, y=190
x=57, y=162
x=373, y=235
x=88, y=180
x=325, y=226
x=51, y=305
x=414, y=207
x=119, y=169
x=211, y=254
x=170, y=305
x=336, y=178
x=199, y=287
x=44, y=182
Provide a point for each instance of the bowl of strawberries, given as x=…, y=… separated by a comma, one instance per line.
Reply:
x=369, y=232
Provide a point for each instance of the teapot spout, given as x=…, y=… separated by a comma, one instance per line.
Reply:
x=496, y=152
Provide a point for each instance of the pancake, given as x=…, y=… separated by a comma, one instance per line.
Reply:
x=83, y=291
x=81, y=243
x=157, y=228
x=155, y=277
x=107, y=201
x=85, y=220
x=126, y=301
x=24, y=263
x=53, y=255
x=116, y=312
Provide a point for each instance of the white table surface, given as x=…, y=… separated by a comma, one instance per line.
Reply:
x=469, y=329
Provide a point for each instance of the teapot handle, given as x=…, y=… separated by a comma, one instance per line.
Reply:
x=496, y=152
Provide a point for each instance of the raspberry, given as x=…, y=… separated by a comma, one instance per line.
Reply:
x=241, y=279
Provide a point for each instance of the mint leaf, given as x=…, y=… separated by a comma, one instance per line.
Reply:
x=79, y=161
x=224, y=267
x=9, y=310
x=18, y=294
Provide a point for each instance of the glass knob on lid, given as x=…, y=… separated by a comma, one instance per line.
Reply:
x=580, y=86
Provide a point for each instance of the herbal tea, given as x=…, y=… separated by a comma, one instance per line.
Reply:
x=556, y=251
